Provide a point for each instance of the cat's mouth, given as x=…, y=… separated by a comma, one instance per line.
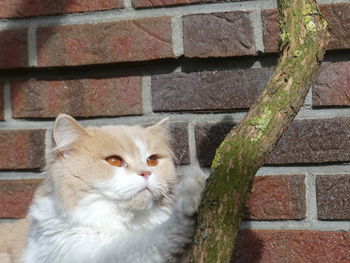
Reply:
x=142, y=200
x=144, y=189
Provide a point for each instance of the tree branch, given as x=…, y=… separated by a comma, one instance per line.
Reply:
x=304, y=37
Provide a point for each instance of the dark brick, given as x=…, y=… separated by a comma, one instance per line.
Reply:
x=1, y=101
x=331, y=85
x=277, y=198
x=180, y=145
x=269, y=246
x=208, y=138
x=13, y=48
x=218, y=35
x=22, y=149
x=338, y=17
x=16, y=196
x=271, y=30
x=25, y=8
x=130, y=40
x=333, y=197
x=79, y=98
x=305, y=141
x=235, y=89
x=314, y=141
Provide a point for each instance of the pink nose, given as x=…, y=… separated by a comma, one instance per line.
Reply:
x=145, y=174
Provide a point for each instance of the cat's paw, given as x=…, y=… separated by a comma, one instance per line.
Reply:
x=190, y=189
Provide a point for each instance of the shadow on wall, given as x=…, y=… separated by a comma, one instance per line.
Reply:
x=209, y=137
x=248, y=248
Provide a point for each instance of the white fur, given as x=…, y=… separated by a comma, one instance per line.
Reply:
x=123, y=185
x=143, y=148
x=95, y=223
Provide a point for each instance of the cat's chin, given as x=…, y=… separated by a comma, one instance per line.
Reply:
x=141, y=201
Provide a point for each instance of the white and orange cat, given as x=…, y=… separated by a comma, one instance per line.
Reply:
x=111, y=195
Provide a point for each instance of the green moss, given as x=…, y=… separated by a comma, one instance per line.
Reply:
x=324, y=24
x=285, y=37
x=310, y=24
x=308, y=13
x=218, y=158
x=261, y=123
x=310, y=10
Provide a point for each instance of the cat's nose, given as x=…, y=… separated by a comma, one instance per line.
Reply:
x=145, y=174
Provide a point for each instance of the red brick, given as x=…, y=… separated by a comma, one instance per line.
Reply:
x=22, y=149
x=79, y=98
x=271, y=30
x=218, y=35
x=16, y=196
x=1, y=101
x=157, y=3
x=259, y=246
x=234, y=89
x=331, y=86
x=13, y=48
x=333, y=197
x=277, y=197
x=25, y=8
x=131, y=40
x=338, y=17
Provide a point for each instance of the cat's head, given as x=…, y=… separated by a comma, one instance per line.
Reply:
x=129, y=165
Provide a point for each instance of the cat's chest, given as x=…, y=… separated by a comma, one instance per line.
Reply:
x=148, y=220
x=112, y=227
x=87, y=229
x=104, y=217
x=95, y=218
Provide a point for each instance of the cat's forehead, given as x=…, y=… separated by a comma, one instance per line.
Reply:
x=125, y=139
x=119, y=130
x=121, y=135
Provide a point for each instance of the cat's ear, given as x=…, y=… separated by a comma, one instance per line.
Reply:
x=162, y=126
x=66, y=131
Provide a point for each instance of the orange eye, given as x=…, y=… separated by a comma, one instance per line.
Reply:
x=115, y=160
x=152, y=160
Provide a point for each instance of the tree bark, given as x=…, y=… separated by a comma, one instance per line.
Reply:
x=304, y=37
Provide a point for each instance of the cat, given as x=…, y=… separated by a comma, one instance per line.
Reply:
x=111, y=195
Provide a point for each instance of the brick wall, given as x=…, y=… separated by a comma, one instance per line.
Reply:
x=203, y=63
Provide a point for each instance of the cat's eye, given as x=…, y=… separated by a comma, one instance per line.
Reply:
x=116, y=160
x=152, y=160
